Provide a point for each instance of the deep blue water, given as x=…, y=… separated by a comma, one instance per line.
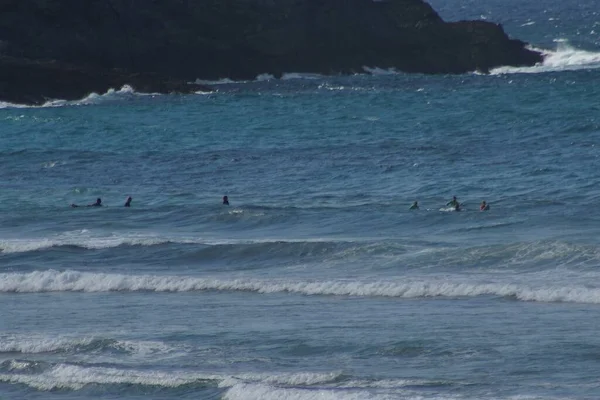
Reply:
x=317, y=282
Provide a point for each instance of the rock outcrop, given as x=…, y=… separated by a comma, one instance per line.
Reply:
x=157, y=45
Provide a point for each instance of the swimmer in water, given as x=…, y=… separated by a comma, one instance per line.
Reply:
x=128, y=202
x=415, y=206
x=484, y=206
x=225, y=201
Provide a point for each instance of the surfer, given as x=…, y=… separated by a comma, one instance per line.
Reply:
x=484, y=206
x=415, y=206
x=454, y=203
x=225, y=201
x=98, y=203
x=128, y=202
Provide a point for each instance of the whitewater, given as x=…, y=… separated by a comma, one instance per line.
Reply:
x=318, y=281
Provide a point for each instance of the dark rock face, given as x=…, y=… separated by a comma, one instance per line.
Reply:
x=173, y=41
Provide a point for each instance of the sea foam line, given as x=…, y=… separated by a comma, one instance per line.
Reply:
x=75, y=281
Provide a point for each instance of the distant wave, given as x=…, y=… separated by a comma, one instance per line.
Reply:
x=564, y=58
x=294, y=76
x=75, y=281
x=380, y=252
x=261, y=78
x=83, y=240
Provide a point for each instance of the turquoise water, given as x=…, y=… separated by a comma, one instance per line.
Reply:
x=317, y=282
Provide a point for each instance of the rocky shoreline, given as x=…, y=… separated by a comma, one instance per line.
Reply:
x=66, y=49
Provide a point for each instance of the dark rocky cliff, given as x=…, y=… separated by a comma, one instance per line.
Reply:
x=158, y=45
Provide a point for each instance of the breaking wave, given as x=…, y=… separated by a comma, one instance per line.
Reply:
x=75, y=281
x=300, y=385
x=37, y=344
x=76, y=377
x=564, y=58
x=93, y=98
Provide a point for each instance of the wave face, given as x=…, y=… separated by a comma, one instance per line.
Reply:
x=317, y=281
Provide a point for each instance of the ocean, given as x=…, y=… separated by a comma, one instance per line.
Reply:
x=317, y=281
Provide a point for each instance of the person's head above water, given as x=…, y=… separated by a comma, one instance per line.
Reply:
x=128, y=202
x=98, y=202
x=226, y=200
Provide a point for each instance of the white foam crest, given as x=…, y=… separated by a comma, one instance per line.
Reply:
x=66, y=376
x=380, y=71
x=33, y=344
x=223, y=81
x=74, y=281
x=260, y=78
x=144, y=347
x=18, y=365
x=264, y=77
x=26, y=245
x=95, y=98
x=300, y=75
x=291, y=379
x=39, y=344
x=266, y=392
x=387, y=383
x=4, y=104
x=92, y=98
x=564, y=58
x=75, y=377
x=52, y=164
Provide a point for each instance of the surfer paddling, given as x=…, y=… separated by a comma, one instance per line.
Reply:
x=98, y=203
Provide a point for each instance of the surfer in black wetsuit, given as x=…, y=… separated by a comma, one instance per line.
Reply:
x=98, y=203
x=128, y=202
x=415, y=206
x=225, y=200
